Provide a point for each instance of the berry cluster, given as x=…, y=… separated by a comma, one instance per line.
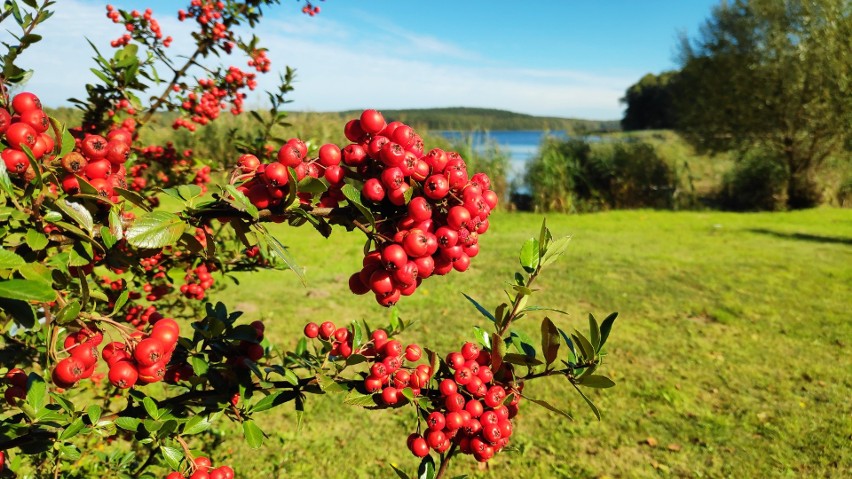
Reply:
x=100, y=162
x=209, y=16
x=429, y=211
x=205, y=102
x=16, y=378
x=197, y=281
x=472, y=410
x=143, y=361
x=239, y=351
x=203, y=469
x=310, y=9
x=340, y=339
x=26, y=129
x=139, y=24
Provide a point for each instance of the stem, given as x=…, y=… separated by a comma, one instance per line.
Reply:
x=446, y=462
x=516, y=304
x=175, y=80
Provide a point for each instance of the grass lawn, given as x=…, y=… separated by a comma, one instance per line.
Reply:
x=732, y=353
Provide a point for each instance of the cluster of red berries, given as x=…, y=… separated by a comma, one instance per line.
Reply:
x=204, y=103
x=197, y=281
x=209, y=15
x=203, y=469
x=310, y=9
x=259, y=61
x=16, y=379
x=140, y=316
x=142, y=360
x=27, y=128
x=99, y=161
x=472, y=410
x=134, y=22
x=437, y=210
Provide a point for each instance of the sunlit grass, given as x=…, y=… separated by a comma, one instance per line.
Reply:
x=730, y=352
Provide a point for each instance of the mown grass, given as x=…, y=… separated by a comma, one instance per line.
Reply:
x=731, y=351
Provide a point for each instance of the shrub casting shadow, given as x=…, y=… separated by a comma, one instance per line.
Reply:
x=803, y=236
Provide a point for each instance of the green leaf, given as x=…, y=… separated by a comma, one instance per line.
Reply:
x=353, y=195
x=155, y=230
x=64, y=403
x=73, y=429
x=79, y=213
x=69, y=451
x=497, y=351
x=399, y=472
x=128, y=423
x=36, y=240
x=426, y=470
x=483, y=337
x=133, y=197
x=355, y=398
x=69, y=312
x=606, y=327
x=121, y=301
x=151, y=407
x=172, y=455
x=555, y=250
x=589, y=402
x=199, y=365
x=544, y=238
x=36, y=392
x=597, y=381
x=195, y=425
x=94, y=412
x=27, y=290
x=480, y=308
x=550, y=340
x=241, y=202
x=549, y=406
x=21, y=312
x=10, y=260
x=329, y=385
x=585, y=346
x=68, y=142
x=529, y=255
x=280, y=251
x=253, y=434
x=521, y=360
x=594, y=332
x=270, y=401
x=5, y=181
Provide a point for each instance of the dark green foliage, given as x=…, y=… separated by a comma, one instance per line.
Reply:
x=650, y=104
x=757, y=182
x=775, y=75
x=572, y=176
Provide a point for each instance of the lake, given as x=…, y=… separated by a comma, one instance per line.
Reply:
x=521, y=145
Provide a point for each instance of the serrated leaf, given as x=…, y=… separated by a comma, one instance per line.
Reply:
x=128, y=423
x=329, y=385
x=94, y=412
x=156, y=229
x=121, y=301
x=10, y=260
x=69, y=451
x=73, y=429
x=480, y=308
x=27, y=290
x=355, y=398
x=483, y=337
x=241, y=202
x=270, y=401
x=133, y=197
x=253, y=434
x=550, y=340
x=79, y=213
x=555, y=250
x=195, y=425
x=280, y=251
x=36, y=391
x=68, y=142
x=151, y=407
x=529, y=255
x=36, y=240
x=606, y=327
x=199, y=365
x=597, y=381
x=172, y=455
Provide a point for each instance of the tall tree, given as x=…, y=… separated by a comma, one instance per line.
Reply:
x=775, y=74
x=649, y=103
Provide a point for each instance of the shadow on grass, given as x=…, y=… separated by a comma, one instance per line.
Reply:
x=803, y=236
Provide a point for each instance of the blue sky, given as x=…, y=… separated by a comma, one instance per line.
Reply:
x=566, y=58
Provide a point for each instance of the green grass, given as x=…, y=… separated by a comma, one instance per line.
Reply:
x=731, y=350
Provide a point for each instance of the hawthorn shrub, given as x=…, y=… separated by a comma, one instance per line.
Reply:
x=107, y=334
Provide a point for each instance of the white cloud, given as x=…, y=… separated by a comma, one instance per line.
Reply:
x=340, y=68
